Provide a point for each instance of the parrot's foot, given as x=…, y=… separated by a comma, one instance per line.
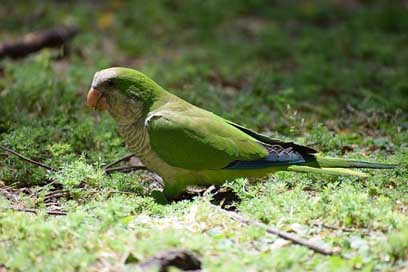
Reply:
x=162, y=192
x=156, y=190
x=156, y=183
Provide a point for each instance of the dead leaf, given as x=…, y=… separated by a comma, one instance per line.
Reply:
x=105, y=20
x=181, y=259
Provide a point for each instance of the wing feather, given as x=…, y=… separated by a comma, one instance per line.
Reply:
x=196, y=139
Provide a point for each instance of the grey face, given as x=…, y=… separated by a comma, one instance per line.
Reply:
x=103, y=79
x=122, y=108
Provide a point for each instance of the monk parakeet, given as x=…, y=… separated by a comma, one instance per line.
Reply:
x=187, y=145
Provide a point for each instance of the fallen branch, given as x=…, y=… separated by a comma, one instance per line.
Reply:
x=27, y=159
x=112, y=192
x=55, y=194
x=50, y=212
x=285, y=235
x=333, y=227
x=124, y=169
x=109, y=165
x=107, y=170
x=36, y=41
x=344, y=229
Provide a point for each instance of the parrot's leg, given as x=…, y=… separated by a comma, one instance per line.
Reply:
x=172, y=190
x=159, y=197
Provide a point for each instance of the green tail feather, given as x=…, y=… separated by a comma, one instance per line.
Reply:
x=336, y=166
x=346, y=163
x=327, y=171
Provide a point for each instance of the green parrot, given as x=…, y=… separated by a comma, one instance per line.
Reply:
x=186, y=145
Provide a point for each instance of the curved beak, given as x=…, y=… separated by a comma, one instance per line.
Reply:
x=96, y=100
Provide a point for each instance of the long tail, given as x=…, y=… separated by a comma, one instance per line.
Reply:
x=336, y=166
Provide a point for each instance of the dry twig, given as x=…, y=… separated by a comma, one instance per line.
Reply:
x=55, y=194
x=124, y=169
x=124, y=158
x=112, y=192
x=27, y=159
x=344, y=229
x=285, y=235
x=107, y=170
x=50, y=212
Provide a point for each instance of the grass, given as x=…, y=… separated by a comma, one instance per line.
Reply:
x=324, y=73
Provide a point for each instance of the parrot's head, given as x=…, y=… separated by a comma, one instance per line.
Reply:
x=126, y=93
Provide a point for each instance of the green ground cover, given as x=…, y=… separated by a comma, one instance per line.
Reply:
x=330, y=74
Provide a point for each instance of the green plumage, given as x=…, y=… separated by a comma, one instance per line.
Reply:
x=209, y=141
x=187, y=145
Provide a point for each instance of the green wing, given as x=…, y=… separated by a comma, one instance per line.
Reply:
x=196, y=139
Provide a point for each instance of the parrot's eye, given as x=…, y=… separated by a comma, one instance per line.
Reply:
x=110, y=82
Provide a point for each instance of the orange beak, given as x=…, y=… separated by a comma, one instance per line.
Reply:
x=96, y=100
